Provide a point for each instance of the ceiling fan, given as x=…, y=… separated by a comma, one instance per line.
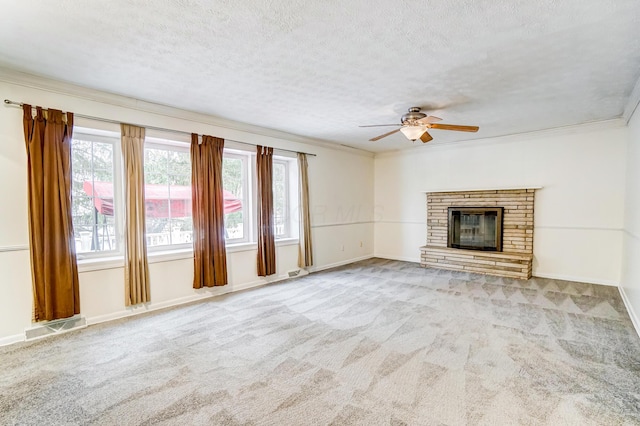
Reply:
x=414, y=126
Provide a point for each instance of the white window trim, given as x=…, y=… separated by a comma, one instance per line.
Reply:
x=287, y=199
x=106, y=137
x=167, y=145
x=93, y=261
x=115, y=262
x=247, y=228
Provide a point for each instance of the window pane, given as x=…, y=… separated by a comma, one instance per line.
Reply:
x=167, y=174
x=92, y=196
x=280, y=199
x=233, y=181
x=180, y=168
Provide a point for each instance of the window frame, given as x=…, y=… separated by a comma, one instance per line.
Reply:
x=176, y=146
x=248, y=224
x=287, y=198
x=94, y=135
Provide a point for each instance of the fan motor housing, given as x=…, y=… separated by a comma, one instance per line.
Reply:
x=414, y=114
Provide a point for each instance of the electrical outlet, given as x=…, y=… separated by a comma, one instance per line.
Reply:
x=360, y=243
x=342, y=247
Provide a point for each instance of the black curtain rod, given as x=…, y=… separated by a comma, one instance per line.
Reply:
x=106, y=120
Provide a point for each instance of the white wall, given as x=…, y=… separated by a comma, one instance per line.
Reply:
x=578, y=213
x=341, y=194
x=357, y=203
x=630, y=285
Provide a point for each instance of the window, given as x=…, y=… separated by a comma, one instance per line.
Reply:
x=98, y=206
x=235, y=178
x=281, y=197
x=167, y=176
x=95, y=200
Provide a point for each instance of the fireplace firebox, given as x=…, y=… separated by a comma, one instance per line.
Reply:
x=475, y=228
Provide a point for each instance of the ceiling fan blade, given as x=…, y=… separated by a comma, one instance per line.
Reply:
x=429, y=119
x=381, y=125
x=426, y=137
x=385, y=135
x=453, y=127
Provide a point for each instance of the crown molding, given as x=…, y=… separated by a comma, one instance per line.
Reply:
x=632, y=103
x=591, y=126
x=69, y=89
x=84, y=93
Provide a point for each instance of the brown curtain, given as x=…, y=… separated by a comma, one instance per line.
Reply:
x=305, y=252
x=209, y=250
x=54, y=270
x=136, y=267
x=266, y=235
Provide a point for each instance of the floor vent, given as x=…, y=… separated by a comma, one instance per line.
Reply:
x=55, y=327
x=298, y=273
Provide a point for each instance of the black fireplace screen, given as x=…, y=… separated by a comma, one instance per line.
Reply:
x=475, y=228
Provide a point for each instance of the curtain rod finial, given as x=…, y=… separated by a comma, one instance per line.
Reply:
x=7, y=101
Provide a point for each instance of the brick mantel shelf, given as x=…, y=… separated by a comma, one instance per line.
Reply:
x=514, y=261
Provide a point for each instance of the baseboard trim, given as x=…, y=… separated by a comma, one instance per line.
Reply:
x=44, y=329
x=45, y=325
x=341, y=263
x=400, y=258
x=201, y=295
x=151, y=307
x=10, y=340
x=535, y=274
x=576, y=279
x=260, y=282
x=141, y=309
x=630, y=311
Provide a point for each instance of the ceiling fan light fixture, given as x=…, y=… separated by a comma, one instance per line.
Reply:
x=415, y=125
x=413, y=133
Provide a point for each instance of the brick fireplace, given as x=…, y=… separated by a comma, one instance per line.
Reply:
x=515, y=256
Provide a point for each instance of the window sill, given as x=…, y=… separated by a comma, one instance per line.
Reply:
x=287, y=242
x=100, y=263
x=114, y=262
x=238, y=247
x=168, y=255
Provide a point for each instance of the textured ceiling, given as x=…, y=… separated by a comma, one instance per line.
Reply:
x=321, y=68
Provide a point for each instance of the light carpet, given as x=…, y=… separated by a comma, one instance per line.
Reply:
x=377, y=342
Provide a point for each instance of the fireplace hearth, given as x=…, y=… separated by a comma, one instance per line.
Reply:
x=489, y=231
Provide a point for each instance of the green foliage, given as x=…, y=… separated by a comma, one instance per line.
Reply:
x=91, y=162
x=94, y=162
x=166, y=166
x=232, y=171
x=280, y=194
